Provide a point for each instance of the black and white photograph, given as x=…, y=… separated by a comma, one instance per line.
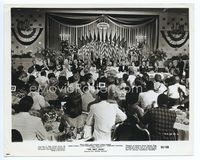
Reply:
x=93, y=75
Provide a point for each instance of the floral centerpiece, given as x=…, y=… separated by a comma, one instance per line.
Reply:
x=157, y=55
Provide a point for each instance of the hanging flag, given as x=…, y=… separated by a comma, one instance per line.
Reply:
x=114, y=39
x=87, y=39
x=98, y=37
x=110, y=38
x=125, y=45
x=80, y=43
x=102, y=39
x=121, y=43
x=83, y=41
x=118, y=40
x=94, y=39
x=106, y=40
x=90, y=39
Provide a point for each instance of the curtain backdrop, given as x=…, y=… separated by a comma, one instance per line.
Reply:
x=82, y=28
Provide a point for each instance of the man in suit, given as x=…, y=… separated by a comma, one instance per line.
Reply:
x=160, y=120
x=123, y=67
x=101, y=63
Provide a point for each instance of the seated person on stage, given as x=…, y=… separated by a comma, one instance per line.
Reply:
x=160, y=120
x=101, y=63
x=103, y=116
x=30, y=127
x=123, y=67
x=73, y=121
x=149, y=98
x=38, y=100
x=143, y=68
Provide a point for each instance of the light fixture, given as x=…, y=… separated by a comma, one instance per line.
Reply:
x=141, y=39
x=64, y=36
x=102, y=23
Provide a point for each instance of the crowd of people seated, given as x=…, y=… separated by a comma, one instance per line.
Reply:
x=92, y=105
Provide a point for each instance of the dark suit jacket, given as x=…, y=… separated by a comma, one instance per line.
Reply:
x=36, y=66
x=160, y=122
x=123, y=68
x=101, y=64
x=71, y=79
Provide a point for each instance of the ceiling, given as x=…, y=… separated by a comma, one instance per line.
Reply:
x=108, y=10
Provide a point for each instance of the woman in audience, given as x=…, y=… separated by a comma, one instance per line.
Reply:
x=38, y=100
x=73, y=121
x=132, y=109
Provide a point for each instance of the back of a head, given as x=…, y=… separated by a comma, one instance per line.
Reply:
x=43, y=73
x=75, y=71
x=131, y=71
x=84, y=86
x=125, y=77
x=145, y=77
x=16, y=136
x=31, y=79
x=163, y=100
x=50, y=75
x=62, y=79
x=25, y=104
x=177, y=79
x=158, y=78
x=34, y=86
x=112, y=90
x=149, y=85
x=103, y=94
x=73, y=106
x=88, y=76
x=131, y=97
x=111, y=80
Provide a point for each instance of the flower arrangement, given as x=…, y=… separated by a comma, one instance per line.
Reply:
x=68, y=48
x=49, y=115
x=157, y=55
x=183, y=57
